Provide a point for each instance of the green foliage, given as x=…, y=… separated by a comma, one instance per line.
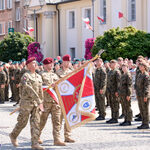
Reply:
x=127, y=42
x=14, y=46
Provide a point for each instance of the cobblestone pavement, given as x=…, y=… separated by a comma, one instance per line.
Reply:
x=96, y=135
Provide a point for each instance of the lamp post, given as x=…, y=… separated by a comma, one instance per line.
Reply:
x=27, y=4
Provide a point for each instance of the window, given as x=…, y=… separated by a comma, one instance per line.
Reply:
x=71, y=19
x=2, y=4
x=87, y=14
x=73, y=52
x=25, y=23
x=9, y=24
x=18, y=14
x=132, y=10
x=2, y=28
x=9, y=4
x=103, y=10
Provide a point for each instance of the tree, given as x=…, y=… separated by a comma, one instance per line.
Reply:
x=127, y=42
x=14, y=46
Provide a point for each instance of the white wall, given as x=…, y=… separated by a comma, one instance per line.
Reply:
x=148, y=16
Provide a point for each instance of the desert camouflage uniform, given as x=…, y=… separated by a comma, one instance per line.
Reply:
x=62, y=73
x=50, y=106
x=31, y=97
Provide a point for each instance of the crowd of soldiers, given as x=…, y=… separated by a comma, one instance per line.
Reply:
x=114, y=82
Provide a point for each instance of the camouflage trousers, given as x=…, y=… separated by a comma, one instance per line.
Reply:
x=114, y=105
x=67, y=132
x=6, y=93
x=27, y=109
x=12, y=88
x=100, y=103
x=16, y=94
x=107, y=97
x=144, y=110
x=55, y=111
x=127, y=108
x=2, y=94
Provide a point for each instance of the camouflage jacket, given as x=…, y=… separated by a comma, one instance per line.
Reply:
x=17, y=76
x=62, y=73
x=100, y=79
x=7, y=75
x=2, y=77
x=143, y=85
x=48, y=79
x=125, y=84
x=31, y=88
x=113, y=80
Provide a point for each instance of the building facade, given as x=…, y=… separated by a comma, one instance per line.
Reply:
x=12, y=15
x=61, y=29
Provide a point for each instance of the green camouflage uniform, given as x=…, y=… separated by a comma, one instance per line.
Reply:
x=143, y=90
x=113, y=87
x=100, y=81
x=2, y=82
x=7, y=84
x=124, y=91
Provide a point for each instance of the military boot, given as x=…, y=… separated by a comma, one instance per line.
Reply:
x=113, y=121
x=13, y=141
x=40, y=141
x=37, y=147
x=143, y=126
x=69, y=140
x=59, y=143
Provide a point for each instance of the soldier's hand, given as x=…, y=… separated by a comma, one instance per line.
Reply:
x=145, y=99
x=3, y=86
x=101, y=91
x=128, y=98
x=17, y=85
x=116, y=94
x=53, y=85
x=41, y=107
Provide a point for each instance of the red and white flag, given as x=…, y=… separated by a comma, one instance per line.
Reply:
x=87, y=22
x=77, y=102
x=120, y=15
x=100, y=19
x=30, y=29
x=51, y=92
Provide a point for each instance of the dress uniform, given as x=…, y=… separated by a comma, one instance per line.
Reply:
x=50, y=105
x=30, y=105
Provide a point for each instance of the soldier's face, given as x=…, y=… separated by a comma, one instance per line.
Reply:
x=124, y=68
x=32, y=65
x=49, y=66
x=113, y=65
x=66, y=64
x=141, y=67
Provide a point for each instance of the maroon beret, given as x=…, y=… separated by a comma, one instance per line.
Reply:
x=30, y=60
x=66, y=58
x=47, y=60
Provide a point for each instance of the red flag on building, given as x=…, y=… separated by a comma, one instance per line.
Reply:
x=100, y=19
x=87, y=22
x=120, y=14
